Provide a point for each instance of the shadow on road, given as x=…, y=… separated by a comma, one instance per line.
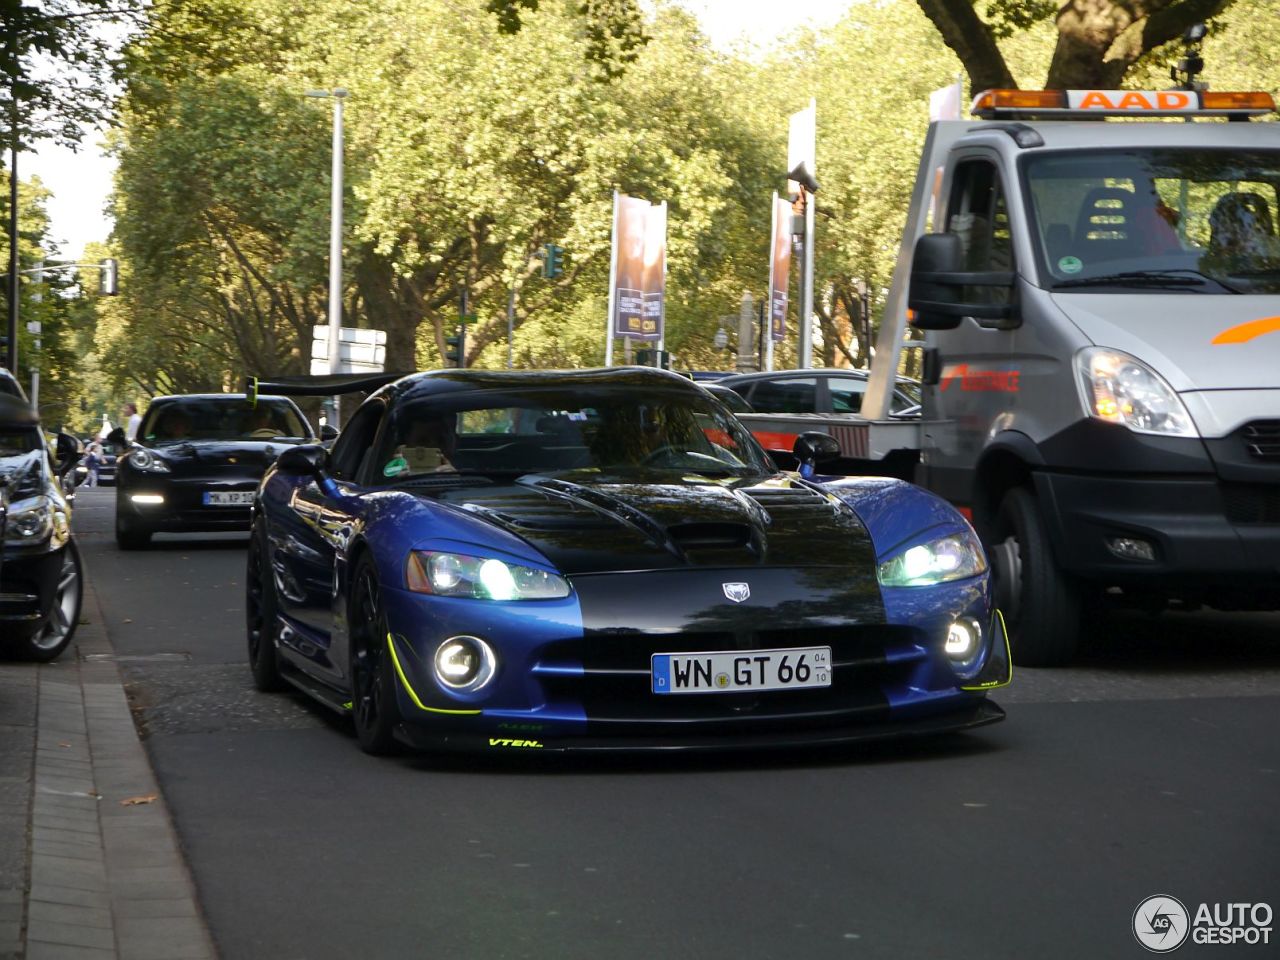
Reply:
x=1184, y=643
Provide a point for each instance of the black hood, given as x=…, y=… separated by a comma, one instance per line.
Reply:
x=597, y=524
x=254, y=456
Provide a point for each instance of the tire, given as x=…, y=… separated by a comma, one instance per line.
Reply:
x=1041, y=604
x=373, y=681
x=131, y=536
x=64, y=613
x=261, y=609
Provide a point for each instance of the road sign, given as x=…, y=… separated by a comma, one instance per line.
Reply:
x=360, y=351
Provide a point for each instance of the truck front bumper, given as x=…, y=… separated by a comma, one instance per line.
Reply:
x=1212, y=541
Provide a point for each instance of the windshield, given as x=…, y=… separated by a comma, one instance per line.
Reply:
x=215, y=418
x=615, y=431
x=1199, y=221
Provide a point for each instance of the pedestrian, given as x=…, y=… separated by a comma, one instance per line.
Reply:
x=92, y=461
x=132, y=421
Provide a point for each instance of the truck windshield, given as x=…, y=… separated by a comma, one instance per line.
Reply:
x=1195, y=221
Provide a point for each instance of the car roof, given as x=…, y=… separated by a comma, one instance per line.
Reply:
x=15, y=411
x=804, y=372
x=213, y=396
x=441, y=382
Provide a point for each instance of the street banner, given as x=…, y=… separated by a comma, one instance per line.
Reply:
x=779, y=268
x=944, y=103
x=802, y=145
x=639, y=268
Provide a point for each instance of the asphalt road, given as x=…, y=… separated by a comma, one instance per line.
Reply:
x=1152, y=768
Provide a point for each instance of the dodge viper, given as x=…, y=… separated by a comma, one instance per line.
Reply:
x=606, y=559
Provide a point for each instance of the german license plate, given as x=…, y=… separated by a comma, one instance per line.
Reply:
x=735, y=671
x=218, y=498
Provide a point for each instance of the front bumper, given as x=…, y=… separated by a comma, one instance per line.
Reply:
x=1212, y=538
x=28, y=583
x=183, y=508
x=559, y=686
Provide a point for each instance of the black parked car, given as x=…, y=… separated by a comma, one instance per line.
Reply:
x=41, y=575
x=825, y=390
x=196, y=462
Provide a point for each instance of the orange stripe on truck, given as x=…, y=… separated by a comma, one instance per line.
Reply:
x=1244, y=332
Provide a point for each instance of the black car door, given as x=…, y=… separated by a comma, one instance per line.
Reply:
x=306, y=542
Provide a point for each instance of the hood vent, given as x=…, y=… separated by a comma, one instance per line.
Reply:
x=704, y=536
x=791, y=503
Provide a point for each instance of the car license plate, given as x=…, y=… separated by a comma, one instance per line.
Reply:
x=735, y=671
x=242, y=498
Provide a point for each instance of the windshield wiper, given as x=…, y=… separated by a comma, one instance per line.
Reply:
x=1172, y=277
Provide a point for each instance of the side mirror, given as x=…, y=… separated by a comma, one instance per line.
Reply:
x=935, y=253
x=936, y=291
x=328, y=433
x=116, y=440
x=813, y=448
x=69, y=451
x=308, y=460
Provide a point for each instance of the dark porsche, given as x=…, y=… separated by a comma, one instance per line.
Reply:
x=606, y=559
x=196, y=462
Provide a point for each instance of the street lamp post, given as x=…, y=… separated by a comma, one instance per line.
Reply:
x=338, y=95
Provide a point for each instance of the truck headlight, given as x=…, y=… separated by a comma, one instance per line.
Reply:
x=29, y=521
x=953, y=557
x=1122, y=389
x=144, y=460
x=481, y=578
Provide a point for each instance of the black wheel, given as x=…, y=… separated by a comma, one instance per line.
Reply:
x=261, y=608
x=130, y=535
x=1041, y=604
x=64, y=612
x=373, y=691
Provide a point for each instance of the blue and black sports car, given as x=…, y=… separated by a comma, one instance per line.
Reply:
x=606, y=559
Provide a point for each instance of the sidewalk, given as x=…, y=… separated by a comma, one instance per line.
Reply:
x=84, y=874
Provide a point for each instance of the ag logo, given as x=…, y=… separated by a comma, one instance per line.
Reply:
x=737, y=592
x=1161, y=923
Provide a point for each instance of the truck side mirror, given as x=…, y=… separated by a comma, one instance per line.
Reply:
x=935, y=253
x=69, y=451
x=936, y=291
x=307, y=460
x=328, y=433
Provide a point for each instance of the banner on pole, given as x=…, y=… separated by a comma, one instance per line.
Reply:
x=639, y=268
x=779, y=269
x=944, y=103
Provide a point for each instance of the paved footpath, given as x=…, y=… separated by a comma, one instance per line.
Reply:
x=90, y=865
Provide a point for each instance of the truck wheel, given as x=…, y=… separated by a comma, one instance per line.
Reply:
x=1041, y=604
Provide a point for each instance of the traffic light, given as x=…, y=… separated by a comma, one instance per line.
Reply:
x=552, y=261
x=455, y=348
x=109, y=280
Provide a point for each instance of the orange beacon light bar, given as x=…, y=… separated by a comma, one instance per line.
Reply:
x=1122, y=103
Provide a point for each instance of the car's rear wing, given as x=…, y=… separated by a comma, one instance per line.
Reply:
x=317, y=386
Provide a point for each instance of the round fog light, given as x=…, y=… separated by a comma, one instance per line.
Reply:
x=963, y=637
x=464, y=663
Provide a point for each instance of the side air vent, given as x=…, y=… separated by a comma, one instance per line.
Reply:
x=1262, y=439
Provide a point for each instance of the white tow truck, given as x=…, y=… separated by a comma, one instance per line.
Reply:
x=1100, y=306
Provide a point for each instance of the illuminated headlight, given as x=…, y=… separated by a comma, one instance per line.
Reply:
x=143, y=459
x=481, y=578
x=29, y=521
x=953, y=557
x=1121, y=389
x=963, y=638
x=464, y=663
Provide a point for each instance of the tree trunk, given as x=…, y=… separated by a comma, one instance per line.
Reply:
x=1100, y=40
x=972, y=40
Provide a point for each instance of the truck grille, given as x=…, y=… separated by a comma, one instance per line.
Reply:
x=1252, y=502
x=1262, y=439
